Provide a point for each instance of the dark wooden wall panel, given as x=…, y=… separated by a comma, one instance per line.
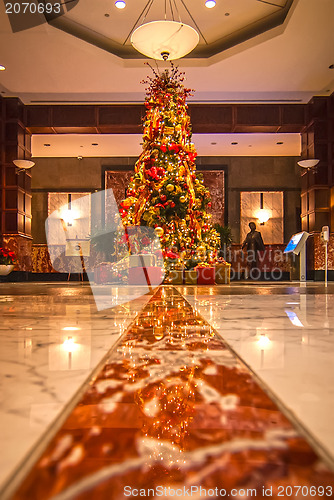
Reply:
x=73, y=116
x=205, y=118
x=15, y=143
x=221, y=118
x=318, y=142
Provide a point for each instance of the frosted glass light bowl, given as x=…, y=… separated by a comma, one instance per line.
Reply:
x=163, y=40
x=310, y=163
x=5, y=269
x=23, y=164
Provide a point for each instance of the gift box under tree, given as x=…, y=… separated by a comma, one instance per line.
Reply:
x=205, y=275
x=190, y=277
x=223, y=273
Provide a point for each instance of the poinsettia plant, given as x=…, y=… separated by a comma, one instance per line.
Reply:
x=7, y=258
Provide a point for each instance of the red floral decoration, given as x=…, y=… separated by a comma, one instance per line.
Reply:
x=7, y=258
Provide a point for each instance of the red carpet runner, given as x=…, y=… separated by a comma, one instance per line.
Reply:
x=174, y=413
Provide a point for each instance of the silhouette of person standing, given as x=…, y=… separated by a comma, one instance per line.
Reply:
x=253, y=243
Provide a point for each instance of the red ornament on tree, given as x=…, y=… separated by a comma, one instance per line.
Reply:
x=165, y=185
x=174, y=147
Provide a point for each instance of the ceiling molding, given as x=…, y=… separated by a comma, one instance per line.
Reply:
x=270, y=21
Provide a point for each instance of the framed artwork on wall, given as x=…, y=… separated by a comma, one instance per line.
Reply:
x=266, y=209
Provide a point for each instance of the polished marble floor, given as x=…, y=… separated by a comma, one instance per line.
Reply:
x=285, y=334
x=53, y=338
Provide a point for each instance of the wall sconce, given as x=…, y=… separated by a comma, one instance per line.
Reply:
x=309, y=164
x=23, y=165
x=68, y=215
x=262, y=214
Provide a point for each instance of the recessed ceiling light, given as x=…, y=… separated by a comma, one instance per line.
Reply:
x=279, y=143
x=2, y=68
x=120, y=4
x=213, y=143
x=210, y=4
x=107, y=15
x=227, y=14
x=234, y=143
x=331, y=66
x=94, y=144
x=47, y=145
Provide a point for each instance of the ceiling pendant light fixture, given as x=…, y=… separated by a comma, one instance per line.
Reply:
x=165, y=39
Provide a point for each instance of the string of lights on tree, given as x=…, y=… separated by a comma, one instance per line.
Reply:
x=166, y=192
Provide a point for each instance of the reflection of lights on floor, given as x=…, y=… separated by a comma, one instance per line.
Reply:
x=294, y=318
x=264, y=291
x=264, y=341
x=71, y=328
x=69, y=345
x=292, y=303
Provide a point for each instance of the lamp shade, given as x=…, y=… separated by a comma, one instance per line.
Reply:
x=263, y=215
x=24, y=164
x=164, y=39
x=310, y=163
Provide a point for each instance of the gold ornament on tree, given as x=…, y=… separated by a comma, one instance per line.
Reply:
x=159, y=231
x=169, y=130
x=201, y=250
x=166, y=195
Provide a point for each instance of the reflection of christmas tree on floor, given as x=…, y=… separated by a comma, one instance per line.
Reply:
x=166, y=192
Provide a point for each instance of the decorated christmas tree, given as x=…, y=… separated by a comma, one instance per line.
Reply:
x=165, y=192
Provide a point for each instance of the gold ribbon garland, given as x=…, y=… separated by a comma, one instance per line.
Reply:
x=189, y=183
x=140, y=205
